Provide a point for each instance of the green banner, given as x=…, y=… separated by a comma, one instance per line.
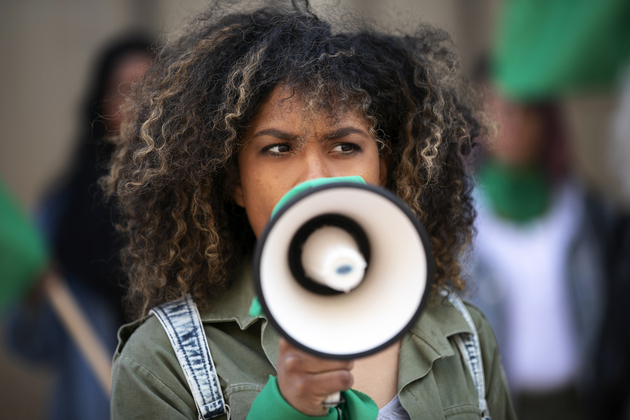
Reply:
x=23, y=253
x=548, y=48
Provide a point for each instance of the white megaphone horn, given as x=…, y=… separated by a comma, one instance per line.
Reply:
x=342, y=269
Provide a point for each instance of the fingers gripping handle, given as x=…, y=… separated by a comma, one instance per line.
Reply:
x=333, y=400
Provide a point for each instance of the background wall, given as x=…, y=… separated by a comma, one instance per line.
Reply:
x=47, y=48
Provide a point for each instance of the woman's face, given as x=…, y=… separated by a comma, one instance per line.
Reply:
x=286, y=146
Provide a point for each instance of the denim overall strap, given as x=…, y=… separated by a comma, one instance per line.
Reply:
x=182, y=324
x=471, y=352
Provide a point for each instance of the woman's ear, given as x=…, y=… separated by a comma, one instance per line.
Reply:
x=384, y=160
x=234, y=184
x=237, y=195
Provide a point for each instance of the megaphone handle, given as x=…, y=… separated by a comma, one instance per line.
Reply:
x=333, y=400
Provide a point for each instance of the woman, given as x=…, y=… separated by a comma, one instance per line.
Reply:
x=237, y=111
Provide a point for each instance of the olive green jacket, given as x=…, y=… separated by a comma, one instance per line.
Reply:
x=433, y=380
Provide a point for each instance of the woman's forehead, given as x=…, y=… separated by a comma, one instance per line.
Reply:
x=308, y=105
x=287, y=108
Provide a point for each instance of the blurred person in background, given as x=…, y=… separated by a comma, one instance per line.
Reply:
x=557, y=288
x=79, y=229
x=542, y=260
x=611, y=385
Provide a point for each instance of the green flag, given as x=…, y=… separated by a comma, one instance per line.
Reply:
x=23, y=253
x=547, y=48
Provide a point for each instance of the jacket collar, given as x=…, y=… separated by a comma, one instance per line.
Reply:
x=427, y=341
x=235, y=304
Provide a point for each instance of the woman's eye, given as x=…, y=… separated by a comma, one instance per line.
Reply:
x=277, y=149
x=346, y=148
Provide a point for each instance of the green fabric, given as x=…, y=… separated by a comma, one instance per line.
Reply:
x=357, y=406
x=271, y=401
x=516, y=193
x=311, y=184
x=433, y=380
x=546, y=48
x=256, y=308
x=23, y=253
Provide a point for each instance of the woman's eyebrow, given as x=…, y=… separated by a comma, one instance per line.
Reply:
x=279, y=134
x=343, y=132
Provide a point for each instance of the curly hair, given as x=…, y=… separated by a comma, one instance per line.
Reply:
x=173, y=172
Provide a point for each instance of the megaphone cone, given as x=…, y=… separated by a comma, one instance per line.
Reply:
x=343, y=269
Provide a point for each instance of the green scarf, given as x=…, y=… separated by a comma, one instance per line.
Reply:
x=517, y=193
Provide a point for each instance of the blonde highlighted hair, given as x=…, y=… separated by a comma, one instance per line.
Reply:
x=173, y=171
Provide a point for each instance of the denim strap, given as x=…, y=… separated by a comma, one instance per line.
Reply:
x=471, y=352
x=182, y=324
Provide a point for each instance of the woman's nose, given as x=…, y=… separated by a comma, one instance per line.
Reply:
x=313, y=167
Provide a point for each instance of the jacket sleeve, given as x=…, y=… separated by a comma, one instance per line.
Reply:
x=139, y=394
x=147, y=380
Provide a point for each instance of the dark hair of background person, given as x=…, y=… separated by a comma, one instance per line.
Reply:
x=85, y=242
x=174, y=181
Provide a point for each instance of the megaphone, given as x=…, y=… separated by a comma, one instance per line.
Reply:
x=343, y=269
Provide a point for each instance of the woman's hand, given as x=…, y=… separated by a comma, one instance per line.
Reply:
x=305, y=381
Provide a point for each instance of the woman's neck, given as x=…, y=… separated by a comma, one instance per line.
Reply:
x=377, y=375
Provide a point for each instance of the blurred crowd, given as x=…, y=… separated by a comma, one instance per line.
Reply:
x=74, y=241
x=550, y=265
x=549, y=261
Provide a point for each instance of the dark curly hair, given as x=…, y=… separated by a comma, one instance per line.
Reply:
x=173, y=170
